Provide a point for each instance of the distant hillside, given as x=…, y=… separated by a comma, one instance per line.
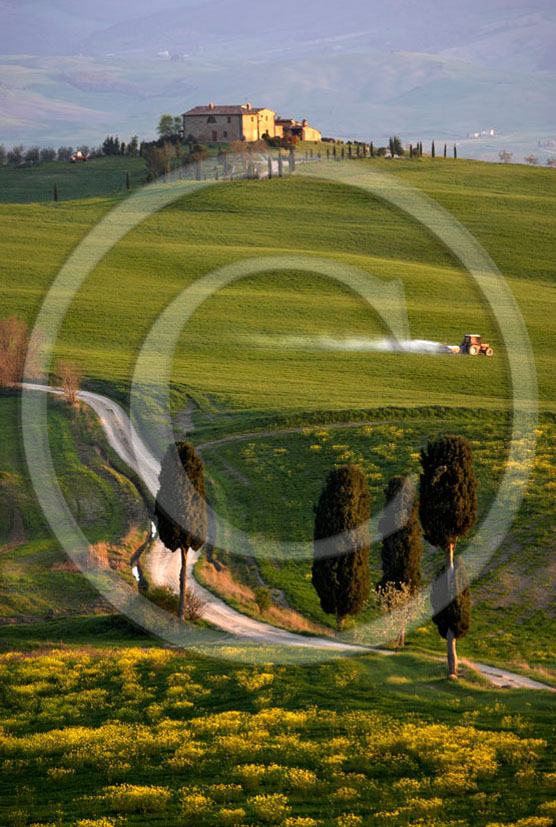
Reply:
x=364, y=96
x=437, y=70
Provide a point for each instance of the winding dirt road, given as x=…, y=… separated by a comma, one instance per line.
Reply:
x=164, y=567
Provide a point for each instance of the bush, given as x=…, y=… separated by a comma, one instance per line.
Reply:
x=262, y=598
x=195, y=804
x=271, y=808
x=231, y=818
x=129, y=798
x=165, y=597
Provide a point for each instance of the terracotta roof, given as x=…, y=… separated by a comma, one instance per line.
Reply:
x=225, y=110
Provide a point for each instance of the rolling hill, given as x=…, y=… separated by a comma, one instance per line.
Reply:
x=370, y=72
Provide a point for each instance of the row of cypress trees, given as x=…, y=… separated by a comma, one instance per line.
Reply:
x=446, y=511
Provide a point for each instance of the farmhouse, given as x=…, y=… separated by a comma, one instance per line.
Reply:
x=242, y=123
x=300, y=129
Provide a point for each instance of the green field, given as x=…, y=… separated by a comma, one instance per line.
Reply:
x=99, y=177
x=129, y=736
x=216, y=360
x=384, y=740
x=37, y=580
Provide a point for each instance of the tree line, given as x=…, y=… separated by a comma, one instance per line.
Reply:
x=442, y=511
x=19, y=156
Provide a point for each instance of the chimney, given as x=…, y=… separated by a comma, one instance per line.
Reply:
x=248, y=105
x=211, y=105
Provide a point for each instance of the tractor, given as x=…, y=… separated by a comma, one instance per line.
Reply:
x=78, y=156
x=473, y=345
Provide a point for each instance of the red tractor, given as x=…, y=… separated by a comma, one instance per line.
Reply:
x=473, y=345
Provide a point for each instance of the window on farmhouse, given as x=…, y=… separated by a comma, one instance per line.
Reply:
x=211, y=119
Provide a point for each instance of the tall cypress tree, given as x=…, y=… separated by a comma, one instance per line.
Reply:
x=451, y=604
x=455, y=151
x=445, y=150
x=402, y=544
x=180, y=509
x=341, y=573
x=448, y=508
x=372, y=150
x=433, y=151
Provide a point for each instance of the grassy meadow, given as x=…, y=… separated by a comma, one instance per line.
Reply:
x=99, y=725
x=217, y=360
x=128, y=736
x=98, y=177
x=37, y=580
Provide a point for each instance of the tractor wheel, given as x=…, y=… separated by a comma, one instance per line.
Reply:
x=489, y=351
x=473, y=350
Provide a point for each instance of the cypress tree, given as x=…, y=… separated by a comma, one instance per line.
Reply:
x=341, y=573
x=180, y=506
x=445, y=151
x=372, y=150
x=55, y=192
x=433, y=153
x=451, y=604
x=402, y=544
x=455, y=151
x=448, y=506
x=269, y=167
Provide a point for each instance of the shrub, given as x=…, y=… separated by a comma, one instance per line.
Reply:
x=262, y=598
x=230, y=818
x=195, y=803
x=130, y=798
x=345, y=794
x=349, y=820
x=163, y=596
x=271, y=808
x=300, y=779
x=226, y=792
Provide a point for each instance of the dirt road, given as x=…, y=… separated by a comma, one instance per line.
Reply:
x=164, y=566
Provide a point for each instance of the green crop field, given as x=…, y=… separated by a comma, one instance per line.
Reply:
x=94, y=736
x=98, y=177
x=216, y=357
